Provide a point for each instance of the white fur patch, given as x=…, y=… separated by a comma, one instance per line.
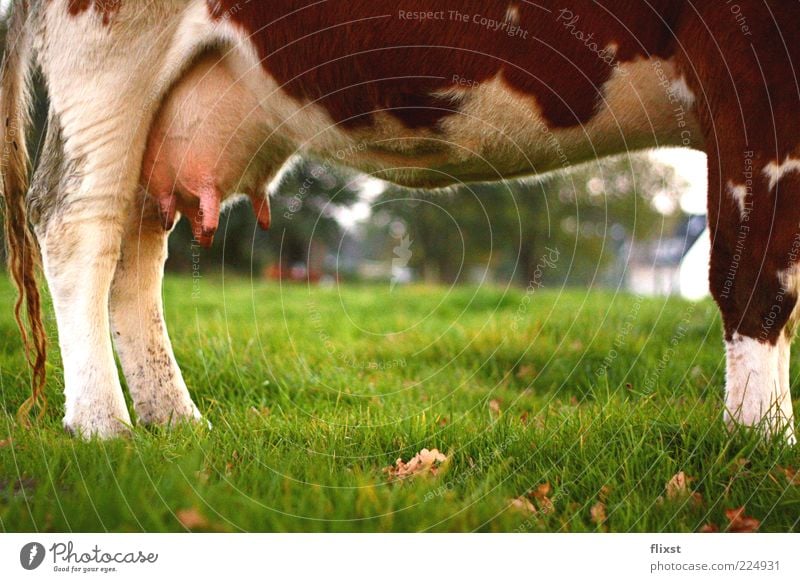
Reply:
x=680, y=89
x=757, y=385
x=739, y=193
x=503, y=131
x=774, y=171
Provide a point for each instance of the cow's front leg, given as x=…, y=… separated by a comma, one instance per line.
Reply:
x=753, y=210
x=754, y=279
x=137, y=321
x=80, y=249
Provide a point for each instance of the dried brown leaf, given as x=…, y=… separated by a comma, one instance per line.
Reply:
x=542, y=491
x=5, y=443
x=494, y=406
x=598, y=513
x=191, y=518
x=541, y=496
x=739, y=522
x=792, y=475
x=709, y=528
x=423, y=463
x=678, y=486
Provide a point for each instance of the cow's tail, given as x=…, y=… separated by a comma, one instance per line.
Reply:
x=21, y=250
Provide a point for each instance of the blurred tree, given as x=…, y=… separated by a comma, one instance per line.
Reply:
x=585, y=215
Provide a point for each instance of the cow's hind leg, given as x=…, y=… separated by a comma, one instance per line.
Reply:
x=137, y=321
x=79, y=236
x=104, y=79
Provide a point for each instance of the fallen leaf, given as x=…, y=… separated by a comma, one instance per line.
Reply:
x=5, y=443
x=598, y=513
x=739, y=522
x=524, y=505
x=494, y=406
x=423, y=463
x=793, y=475
x=678, y=486
x=191, y=518
x=541, y=491
x=541, y=495
x=709, y=528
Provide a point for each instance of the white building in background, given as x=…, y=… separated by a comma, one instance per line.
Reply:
x=677, y=265
x=693, y=281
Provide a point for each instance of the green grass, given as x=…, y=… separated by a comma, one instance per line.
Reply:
x=312, y=392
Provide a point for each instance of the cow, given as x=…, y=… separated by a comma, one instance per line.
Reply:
x=168, y=108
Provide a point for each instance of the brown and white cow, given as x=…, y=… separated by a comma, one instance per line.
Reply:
x=158, y=108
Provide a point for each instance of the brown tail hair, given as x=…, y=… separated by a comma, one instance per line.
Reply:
x=21, y=248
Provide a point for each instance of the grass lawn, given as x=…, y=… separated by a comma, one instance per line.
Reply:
x=587, y=403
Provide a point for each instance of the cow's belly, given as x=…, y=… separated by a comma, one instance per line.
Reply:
x=495, y=132
x=226, y=126
x=498, y=133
